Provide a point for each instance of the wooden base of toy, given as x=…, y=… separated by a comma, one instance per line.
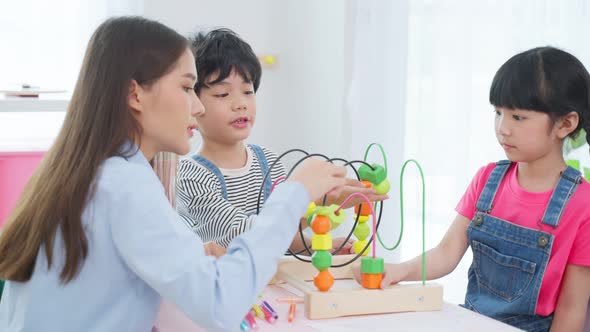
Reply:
x=358, y=301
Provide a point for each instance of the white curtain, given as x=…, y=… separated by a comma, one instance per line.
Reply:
x=452, y=48
x=376, y=93
x=455, y=47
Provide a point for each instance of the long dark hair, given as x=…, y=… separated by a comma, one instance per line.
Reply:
x=97, y=124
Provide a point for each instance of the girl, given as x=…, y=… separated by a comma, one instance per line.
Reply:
x=527, y=218
x=94, y=244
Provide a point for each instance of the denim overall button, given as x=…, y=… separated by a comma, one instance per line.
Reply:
x=543, y=241
x=478, y=220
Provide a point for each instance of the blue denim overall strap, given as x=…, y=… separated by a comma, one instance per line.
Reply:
x=267, y=185
x=568, y=182
x=509, y=261
x=215, y=170
x=486, y=198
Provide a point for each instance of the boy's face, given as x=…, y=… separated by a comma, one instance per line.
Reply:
x=230, y=109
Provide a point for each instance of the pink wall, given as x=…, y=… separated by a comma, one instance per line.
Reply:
x=15, y=170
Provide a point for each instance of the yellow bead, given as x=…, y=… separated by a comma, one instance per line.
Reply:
x=321, y=242
x=336, y=220
x=382, y=188
x=359, y=245
x=310, y=209
x=362, y=219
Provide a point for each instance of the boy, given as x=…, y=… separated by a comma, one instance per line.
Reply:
x=217, y=189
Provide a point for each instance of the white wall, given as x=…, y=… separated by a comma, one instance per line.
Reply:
x=43, y=43
x=300, y=102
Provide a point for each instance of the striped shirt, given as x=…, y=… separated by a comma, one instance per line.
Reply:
x=201, y=205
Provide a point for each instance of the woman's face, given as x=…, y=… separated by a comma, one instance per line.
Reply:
x=167, y=109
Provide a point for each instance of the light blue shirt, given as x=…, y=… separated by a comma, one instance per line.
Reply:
x=140, y=252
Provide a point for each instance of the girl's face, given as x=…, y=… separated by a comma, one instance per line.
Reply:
x=231, y=110
x=167, y=109
x=526, y=135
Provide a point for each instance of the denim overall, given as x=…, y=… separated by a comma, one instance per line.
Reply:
x=263, y=167
x=509, y=261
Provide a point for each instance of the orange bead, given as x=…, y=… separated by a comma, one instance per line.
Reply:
x=365, y=209
x=321, y=225
x=323, y=280
x=367, y=184
x=371, y=281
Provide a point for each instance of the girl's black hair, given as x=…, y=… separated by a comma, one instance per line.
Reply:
x=547, y=80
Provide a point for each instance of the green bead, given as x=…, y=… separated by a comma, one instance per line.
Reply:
x=322, y=210
x=336, y=220
x=362, y=231
x=321, y=259
x=375, y=176
x=309, y=219
x=382, y=188
x=372, y=265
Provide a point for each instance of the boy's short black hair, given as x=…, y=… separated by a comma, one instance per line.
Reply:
x=222, y=50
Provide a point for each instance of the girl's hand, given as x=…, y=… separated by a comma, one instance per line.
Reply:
x=393, y=274
x=346, y=249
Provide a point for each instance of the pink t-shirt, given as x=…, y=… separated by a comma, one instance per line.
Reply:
x=512, y=203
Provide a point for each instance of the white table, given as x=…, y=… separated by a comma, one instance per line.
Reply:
x=452, y=318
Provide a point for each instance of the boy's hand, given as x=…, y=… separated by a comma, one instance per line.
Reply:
x=346, y=249
x=393, y=274
x=214, y=249
x=352, y=186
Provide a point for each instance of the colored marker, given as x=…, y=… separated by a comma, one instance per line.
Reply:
x=292, y=308
x=244, y=326
x=258, y=311
x=268, y=315
x=251, y=321
x=267, y=306
x=290, y=300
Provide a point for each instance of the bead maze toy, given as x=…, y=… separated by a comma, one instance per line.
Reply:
x=320, y=300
